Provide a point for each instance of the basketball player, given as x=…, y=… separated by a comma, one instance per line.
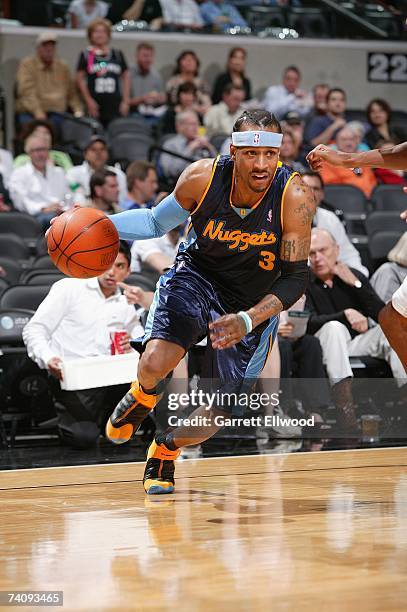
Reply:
x=393, y=317
x=245, y=262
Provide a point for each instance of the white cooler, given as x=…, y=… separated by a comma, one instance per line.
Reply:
x=103, y=371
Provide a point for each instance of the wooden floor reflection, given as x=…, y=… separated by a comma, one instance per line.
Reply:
x=316, y=531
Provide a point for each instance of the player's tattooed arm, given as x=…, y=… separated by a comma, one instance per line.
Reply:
x=298, y=212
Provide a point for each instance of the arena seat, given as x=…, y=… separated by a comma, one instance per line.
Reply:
x=352, y=202
x=217, y=140
x=380, y=244
x=3, y=286
x=43, y=277
x=12, y=268
x=24, y=296
x=43, y=262
x=380, y=221
x=125, y=148
x=21, y=224
x=389, y=197
x=128, y=125
x=262, y=17
x=13, y=246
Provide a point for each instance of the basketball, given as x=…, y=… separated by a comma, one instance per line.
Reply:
x=83, y=242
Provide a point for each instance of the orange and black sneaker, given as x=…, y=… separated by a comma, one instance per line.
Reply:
x=129, y=414
x=160, y=467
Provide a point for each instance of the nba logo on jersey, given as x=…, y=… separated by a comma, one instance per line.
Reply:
x=256, y=138
x=270, y=216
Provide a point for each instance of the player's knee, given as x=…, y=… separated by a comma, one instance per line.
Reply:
x=153, y=363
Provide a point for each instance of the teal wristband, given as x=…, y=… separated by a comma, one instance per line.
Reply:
x=247, y=320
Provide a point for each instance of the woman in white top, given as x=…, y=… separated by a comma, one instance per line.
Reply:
x=82, y=12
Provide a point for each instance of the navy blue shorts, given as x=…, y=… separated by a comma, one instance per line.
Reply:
x=185, y=302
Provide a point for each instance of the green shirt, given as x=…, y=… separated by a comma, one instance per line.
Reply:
x=58, y=157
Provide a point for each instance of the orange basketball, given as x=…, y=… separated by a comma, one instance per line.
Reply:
x=83, y=242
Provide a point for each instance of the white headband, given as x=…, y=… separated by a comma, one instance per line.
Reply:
x=256, y=139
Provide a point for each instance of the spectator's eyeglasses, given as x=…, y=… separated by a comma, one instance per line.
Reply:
x=38, y=150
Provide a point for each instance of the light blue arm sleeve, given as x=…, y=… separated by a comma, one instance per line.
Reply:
x=145, y=223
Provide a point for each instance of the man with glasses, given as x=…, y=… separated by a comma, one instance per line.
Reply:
x=38, y=188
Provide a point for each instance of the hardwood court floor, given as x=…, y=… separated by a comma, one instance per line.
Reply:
x=312, y=531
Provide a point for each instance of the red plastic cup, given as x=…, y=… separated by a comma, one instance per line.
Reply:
x=115, y=342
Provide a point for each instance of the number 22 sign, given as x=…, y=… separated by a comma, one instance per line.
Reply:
x=387, y=67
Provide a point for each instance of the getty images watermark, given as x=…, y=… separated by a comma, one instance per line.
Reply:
x=229, y=402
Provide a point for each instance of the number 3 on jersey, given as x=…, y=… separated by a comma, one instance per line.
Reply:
x=266, y=260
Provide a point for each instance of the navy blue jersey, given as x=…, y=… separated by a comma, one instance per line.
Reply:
x=239, y=254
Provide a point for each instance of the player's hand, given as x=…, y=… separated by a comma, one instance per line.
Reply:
x=55, y=218
x=285, y=330
x=357, y=320
x=226, y=331
x=54, y=365
x=344, y=273
x=321, y=154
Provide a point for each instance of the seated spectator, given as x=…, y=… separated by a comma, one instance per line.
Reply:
x=82, y=12
x=388, y=278
x=187, y=71
x=289, y=152
x=181, y=14
x=280, y=99
x=73, y=322
x=187, y=99
x=96, y=155
x=323, y=129
x=304, y=355
x=235, y=73
x=220, y=15
x=319, y=94
x=146, y=85
x=221, y=117
x=158, y=253
x=187, y=142
x=39, y=188
x=341, y=300
x=137, y=10
x=381, y=128
x=142, y=185
x=104, y=191
x=44, y=86
x=43, y=128
x=6, y=166
x=359, y=130
x=365, y=180
x=102, y=75
x=328, y=220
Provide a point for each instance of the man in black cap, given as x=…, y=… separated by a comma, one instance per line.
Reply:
x=96, y=155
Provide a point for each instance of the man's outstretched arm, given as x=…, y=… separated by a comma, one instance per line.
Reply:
x=392, y=158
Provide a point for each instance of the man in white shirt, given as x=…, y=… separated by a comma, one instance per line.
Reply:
x=327, y=220
x=158, y=253
x=96, y=155
x=182, y=14
x=280, y=99
x=74, y=321
x=38, y=188
x=221, y=117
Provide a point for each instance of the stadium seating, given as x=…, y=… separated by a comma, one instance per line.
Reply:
x=125, y=148
x=389, y=197
x=352, y=202
x=131, y=125
x=12, y=268
x=43, y=277
x=24, y=296
x=380, y=244
x=380, y=221
x=13, y=246
x=3, y=285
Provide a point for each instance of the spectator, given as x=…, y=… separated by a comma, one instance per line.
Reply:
x=320, y=95
x=181, y=14
x=104, y=191
x=388, y=278
x=358, y=129
x=235, y=73
x=295, y=124
x=341, y=300
x=38, y=188
x=221, y=15
x=158, y=253
x=44, y=86
x=381, y=128
x=6, y=166
x=187, y=142
x=142, y=185
x=221, y=117
x=43, y=128
x=74, y=322
x=147, y=89
x=323, y=129
x=96, y=155
x=187, y=71
x=102, y=75
x=280, y=99
x=364, y=179
x=326, y=219
x=82, y=12
x=137, y=10
x=289, y=151
x=385, y=175
x=187, y=99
